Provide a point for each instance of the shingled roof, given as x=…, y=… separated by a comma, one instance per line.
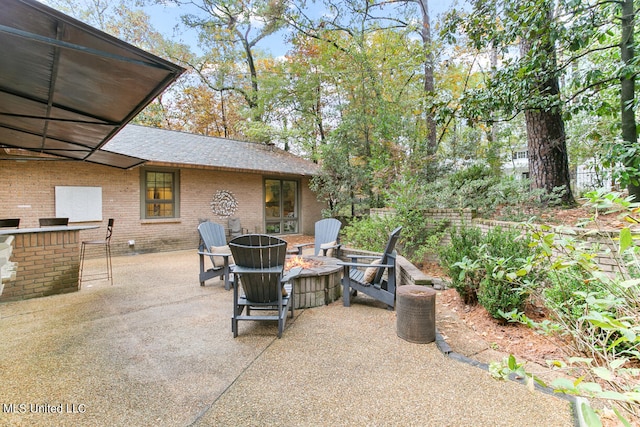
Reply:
x=181, y=148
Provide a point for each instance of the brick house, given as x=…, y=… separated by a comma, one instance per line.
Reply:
x=157, y=206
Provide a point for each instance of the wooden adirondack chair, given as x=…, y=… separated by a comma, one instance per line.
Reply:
x=326, y=238
x=259, y=270
x=235, y=228
x=370, y=278
x=213, y=244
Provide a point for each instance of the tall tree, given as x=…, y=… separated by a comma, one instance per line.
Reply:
x=429, y=81
x=547, y=145
x=528, y=83
x=627, y=97
x=230, y=32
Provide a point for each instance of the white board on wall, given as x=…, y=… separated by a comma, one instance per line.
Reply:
x=79, y=203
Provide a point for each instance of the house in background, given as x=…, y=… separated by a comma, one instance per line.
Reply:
x=67, y=93
x=157, y=206
x=588, y=175
x=518, y=165
x=66, y=149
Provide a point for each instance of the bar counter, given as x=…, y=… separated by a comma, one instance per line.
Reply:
x=48, y=260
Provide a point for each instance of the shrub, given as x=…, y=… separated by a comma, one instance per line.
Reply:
x=493, y=269
x=460, y=260
x=501, y=290
x=418, y=237
x=560, y=294
x=368, y=233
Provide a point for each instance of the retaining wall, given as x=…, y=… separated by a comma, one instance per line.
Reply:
x=603, y=243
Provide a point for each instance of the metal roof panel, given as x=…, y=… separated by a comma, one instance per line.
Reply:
x=70, y=84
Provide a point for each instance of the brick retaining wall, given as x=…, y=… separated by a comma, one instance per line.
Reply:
x=603, y=242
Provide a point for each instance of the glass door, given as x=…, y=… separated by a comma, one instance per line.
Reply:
x=281, y=206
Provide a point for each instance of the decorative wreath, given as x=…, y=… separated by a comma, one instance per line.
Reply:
x=224, y=203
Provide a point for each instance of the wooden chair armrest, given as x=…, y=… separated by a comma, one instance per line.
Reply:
x=356, y=257
x=302, y=245
x=356, y=264
x=291, y=274
x=212, y=254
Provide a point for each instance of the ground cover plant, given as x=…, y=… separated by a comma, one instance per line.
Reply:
x=597, y=313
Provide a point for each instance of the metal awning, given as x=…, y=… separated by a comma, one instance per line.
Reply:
x=66, y=88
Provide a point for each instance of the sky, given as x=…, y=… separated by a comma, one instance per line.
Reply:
x=165, y=19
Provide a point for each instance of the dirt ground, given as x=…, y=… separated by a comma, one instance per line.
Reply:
x=517, y=339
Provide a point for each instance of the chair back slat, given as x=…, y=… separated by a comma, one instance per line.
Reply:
x=326, y=231
x=260, y=252
x=388, y=250
x=211, y=234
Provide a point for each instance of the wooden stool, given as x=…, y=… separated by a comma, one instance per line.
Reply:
x=416, y=313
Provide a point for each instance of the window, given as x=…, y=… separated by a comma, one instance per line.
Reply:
x=520, y=155
x=281, y=206
x=160, y=193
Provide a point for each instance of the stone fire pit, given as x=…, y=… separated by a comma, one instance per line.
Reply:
x=318, y=283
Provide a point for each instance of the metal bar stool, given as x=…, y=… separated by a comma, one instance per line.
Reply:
x=107, y=248
x=53, y=222
x=10, y=223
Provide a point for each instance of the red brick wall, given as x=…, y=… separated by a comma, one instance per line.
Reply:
x=47, y=264
x=27, y=191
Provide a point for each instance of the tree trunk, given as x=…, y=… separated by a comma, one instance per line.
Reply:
x=548, y=161
x=547, y=142
x=627, y=92
x=429, y=83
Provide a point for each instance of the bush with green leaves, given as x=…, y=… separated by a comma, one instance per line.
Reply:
x=460, y=258
x=420, y=236
x=494, y=269
x=599, y=311
x=561, y=294
x=478, y=188
x=369, y=233
x=505, y=286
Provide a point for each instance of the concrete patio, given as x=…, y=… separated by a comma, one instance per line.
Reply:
x=156, y=349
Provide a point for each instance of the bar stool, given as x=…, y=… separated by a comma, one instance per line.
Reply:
x=107, y=250
x=10, y=223
x=52, y=222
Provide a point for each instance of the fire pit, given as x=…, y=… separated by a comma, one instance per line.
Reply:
x=318, y=283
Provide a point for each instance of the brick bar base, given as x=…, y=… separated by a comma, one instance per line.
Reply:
x=48, y=264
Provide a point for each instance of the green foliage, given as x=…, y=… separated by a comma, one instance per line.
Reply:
x=368, y=233
x=478, y=188
x=494, y=269
x=460, y=258
x=339, y=181
x=500, y=290
x=509, y=367
x=561, y=295
x=625, y=380
x=419, y=237
x=598, y=311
